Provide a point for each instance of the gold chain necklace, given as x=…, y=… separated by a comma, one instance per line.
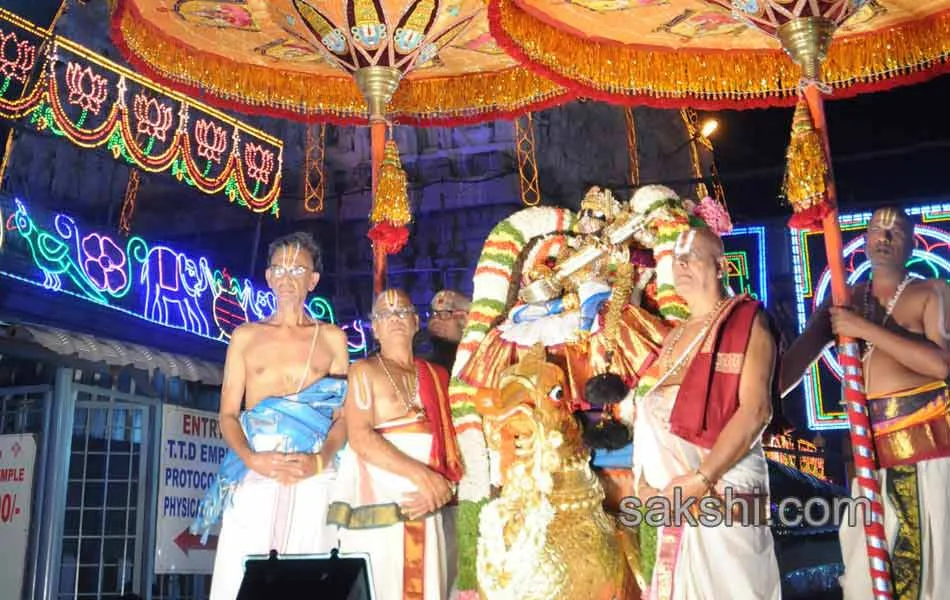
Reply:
x=407, y=400
x=678, y=335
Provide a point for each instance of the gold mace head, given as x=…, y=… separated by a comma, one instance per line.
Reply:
x=378, y=84
x=806, y=40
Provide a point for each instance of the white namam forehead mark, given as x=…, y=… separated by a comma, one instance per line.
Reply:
x=889, y=218
x=288, y=259
x=885, y=218
x=391, y=300
x=684, y=242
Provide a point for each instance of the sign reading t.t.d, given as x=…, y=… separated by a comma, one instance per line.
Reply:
x=192, y=451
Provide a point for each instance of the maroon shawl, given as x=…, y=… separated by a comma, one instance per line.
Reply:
x=709, y=394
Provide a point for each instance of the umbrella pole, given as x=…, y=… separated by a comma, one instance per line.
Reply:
x=807, y=40
x=377, y=84
x=849, y=356
x=377, y=131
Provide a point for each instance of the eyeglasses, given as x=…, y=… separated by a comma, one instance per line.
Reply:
x=399, y=313
x=440, y=314
x=295, y=271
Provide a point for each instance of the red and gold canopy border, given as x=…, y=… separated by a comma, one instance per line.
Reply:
x=717, y=79
x=254, y=89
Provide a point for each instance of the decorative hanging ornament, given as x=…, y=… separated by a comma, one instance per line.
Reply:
x=806, y=173
x=391, y=214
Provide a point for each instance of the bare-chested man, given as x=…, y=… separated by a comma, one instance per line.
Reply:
x=901, y=321
x=698, y=433
x=289, y=372
x=402, y=464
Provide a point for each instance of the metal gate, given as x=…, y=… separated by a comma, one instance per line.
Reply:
x=106, y=523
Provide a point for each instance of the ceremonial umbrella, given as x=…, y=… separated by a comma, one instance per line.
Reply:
x=423, y=62
x=749, y=53
x=718, y=54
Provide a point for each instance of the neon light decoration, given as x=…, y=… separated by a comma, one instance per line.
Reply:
x=931, y=258
x=138, y=278
x=94, y=102
x=745, y=257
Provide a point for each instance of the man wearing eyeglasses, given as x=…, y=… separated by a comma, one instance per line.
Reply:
x=289, y=373
x=447, y=317
x=402, y=463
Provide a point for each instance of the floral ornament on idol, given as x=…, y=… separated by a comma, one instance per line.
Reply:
x=713, y=214
x=104, y=263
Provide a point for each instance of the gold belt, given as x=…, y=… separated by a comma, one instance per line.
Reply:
x=912, y=426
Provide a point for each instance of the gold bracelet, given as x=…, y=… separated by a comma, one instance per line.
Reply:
x=319, y=460
x=709, y=484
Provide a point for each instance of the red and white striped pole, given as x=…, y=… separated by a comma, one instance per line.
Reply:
x=807, y=40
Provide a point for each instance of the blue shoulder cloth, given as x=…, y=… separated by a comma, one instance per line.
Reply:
x=301, y=421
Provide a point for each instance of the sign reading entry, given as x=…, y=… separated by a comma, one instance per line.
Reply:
x=192, y=451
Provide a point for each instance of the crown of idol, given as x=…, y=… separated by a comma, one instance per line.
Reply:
x=600, y=200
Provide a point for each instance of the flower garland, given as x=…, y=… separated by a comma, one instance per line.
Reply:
x=507, y=572
x=391, y=214
x=494, y=275
x=667, y=217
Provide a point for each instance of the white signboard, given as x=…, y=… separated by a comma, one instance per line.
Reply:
x=192, y=451
x=17, y=461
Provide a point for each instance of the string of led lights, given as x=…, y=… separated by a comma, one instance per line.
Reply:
x=146, y=280
x=93, y=102
x=930, y=259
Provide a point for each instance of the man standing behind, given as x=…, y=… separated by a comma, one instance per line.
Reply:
x=449, y=311
x=402, y=464
x=698, y=433
x=289, y=371
x=901, y=322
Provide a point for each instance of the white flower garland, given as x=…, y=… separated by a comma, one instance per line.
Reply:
x=507, y=573
x=491, y=285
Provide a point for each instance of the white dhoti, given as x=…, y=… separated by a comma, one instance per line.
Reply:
x=266, y=515
x=916, y=525
x=733, y=561
x=407, y=558
x=912, y=440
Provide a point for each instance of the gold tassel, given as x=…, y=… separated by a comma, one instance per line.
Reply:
x=806, y=172
x=391, y=204
x=391, y=213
